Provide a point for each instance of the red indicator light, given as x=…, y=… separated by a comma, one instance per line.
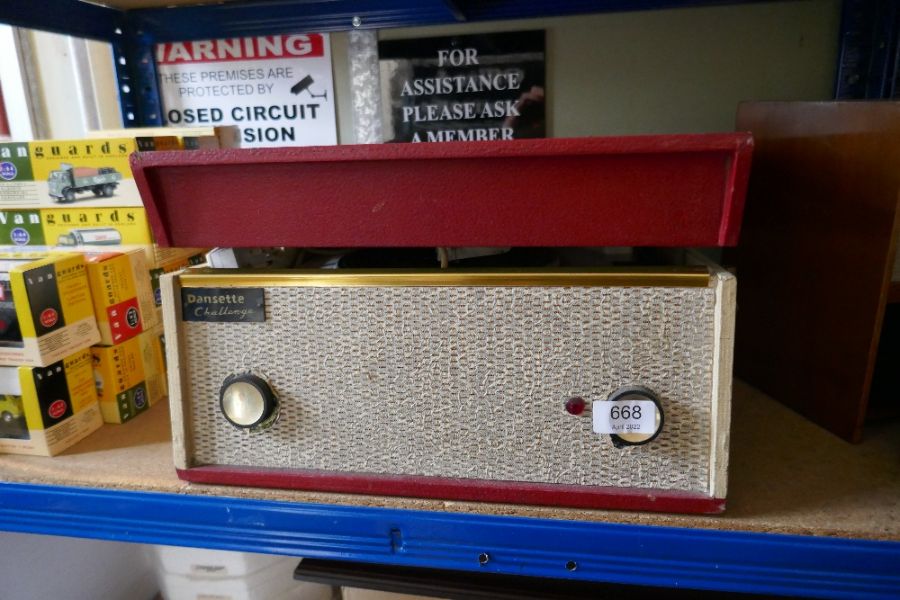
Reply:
x=575, y=406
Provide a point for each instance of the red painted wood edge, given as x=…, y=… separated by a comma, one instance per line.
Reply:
x=726, y=143
x=736, y=195
x=671, y=190
x=477, y=490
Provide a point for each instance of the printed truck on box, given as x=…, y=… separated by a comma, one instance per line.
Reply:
x=66, y=170
x=68, y=181
x=89, y=173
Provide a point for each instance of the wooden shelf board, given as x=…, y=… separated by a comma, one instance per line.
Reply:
x=787, y=476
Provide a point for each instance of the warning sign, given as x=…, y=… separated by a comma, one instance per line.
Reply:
x=277, y=88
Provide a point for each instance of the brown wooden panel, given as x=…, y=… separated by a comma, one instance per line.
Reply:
x=816, y=252
x=894, y=292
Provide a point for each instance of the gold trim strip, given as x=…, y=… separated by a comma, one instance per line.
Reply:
x=580, y=277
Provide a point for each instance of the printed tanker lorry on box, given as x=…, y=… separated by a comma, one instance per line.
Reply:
x=67, y=181
x=91, y=236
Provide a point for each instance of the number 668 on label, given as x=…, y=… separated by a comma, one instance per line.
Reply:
x=624, y=416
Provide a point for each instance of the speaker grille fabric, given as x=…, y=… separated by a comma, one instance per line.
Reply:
x=464, y=382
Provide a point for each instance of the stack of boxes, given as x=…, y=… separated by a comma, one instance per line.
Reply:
x=199, y=574
x=127, y=371
x=80, y=322
x=73, y=193
x=47, y=326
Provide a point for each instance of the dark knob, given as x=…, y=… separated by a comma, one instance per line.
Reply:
x=637, y=392
x=248, y=402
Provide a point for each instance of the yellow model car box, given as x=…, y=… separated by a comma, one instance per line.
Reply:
x=127, y=377
x=123, y=299
x=91, y=173
x=17, y=187
x=46, y=311
x=21, y=228
x=190, y=138
x=44, y=410
x=92, y=227
x=167, y=260
x=153, y=350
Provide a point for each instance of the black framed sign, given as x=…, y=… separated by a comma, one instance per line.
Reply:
x=463, y=87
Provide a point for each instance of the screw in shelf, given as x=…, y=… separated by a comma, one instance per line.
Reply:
x=356, y=22
x=483, y=558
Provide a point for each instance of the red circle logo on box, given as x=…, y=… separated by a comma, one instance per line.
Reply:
x=57, y=409
x=49, y=317
x=132, y=318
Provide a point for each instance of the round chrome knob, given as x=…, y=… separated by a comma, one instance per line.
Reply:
x=248, y=402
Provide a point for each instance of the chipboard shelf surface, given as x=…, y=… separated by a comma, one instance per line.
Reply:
x=807, y=514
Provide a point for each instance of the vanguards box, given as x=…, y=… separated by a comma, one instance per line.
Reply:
x=44, y=410
x=190, y=138
x=153, y=348
x=123, y=299
x=128, y=377
x=46, y=312
x=87, y=227
x=21, y=228
x=16, y=179
x=94, y=173
x=169, y=260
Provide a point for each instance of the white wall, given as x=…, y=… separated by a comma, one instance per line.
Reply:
x=12, y=80
x=37, y=567
x=78, y=82
x=62, y=87
x=668, y=71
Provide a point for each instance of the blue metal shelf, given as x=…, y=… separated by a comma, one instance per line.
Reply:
x=250, y=17
x=870, y=50
x=64, y=16
x=615, y=553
